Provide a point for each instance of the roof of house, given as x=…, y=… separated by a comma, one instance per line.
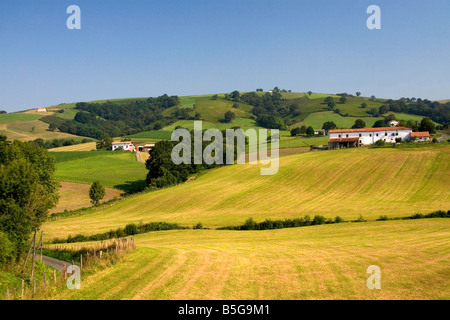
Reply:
x=368, y=129
x=122, y=142
x=334, y=140
x=420, y=134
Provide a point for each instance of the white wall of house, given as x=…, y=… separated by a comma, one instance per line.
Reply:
x=370, y=137
x=125, y=146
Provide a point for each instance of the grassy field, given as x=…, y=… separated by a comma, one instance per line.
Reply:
x=74, y=195
x=348, y=183
x=118, y=170
x=89, y=146
x=318, y=262
x=317, y=119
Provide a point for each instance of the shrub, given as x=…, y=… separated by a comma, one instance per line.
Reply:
x=417, y=216
x=249, y=224
x=198, y=226
x=131, y=229
x=318, y=220
x=360, y=219
x=6, y=249
x=383, y=218
x=338, y=219
x=379, y=143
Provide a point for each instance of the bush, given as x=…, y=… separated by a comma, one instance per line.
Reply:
x=249, y=224
x=379, y=143
x=198, y=226
x=360, y=219
x=318, y=220
x=338, y=219
x=383, y=218
x=6, y=249
x=131, y=229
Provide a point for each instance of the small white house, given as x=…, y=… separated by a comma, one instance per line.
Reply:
x=347, y=138
x=41, y=110
x=125, y=145
x=393, y=123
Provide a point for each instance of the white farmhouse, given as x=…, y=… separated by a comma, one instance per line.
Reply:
x=347, y=138
x=393, y=123
x=125, y=145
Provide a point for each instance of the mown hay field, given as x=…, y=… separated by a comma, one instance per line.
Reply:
x=317, y=262
x=346, y=183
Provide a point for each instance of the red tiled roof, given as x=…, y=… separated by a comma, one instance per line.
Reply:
x=420, y=134
x=334, y=140
x=368, y=129
x=122, y=142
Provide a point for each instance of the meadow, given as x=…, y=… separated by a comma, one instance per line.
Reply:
x=119, y=170
x=74, y=195
x=346, y=183
x=317, y=119
x=317, y=262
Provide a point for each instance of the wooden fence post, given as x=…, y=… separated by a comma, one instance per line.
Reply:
x=54, y=276
x=100, y=253
x=81, y=261
x=22, y=289
x=7, y=293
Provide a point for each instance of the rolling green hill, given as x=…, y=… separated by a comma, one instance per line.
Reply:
x=346, y=183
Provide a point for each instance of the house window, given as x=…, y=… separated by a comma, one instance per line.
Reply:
x=385, y=134
x=396, y=133
x=377, y=134
x=339, y=136
x=360, y=135
x=346, y=135
x=370, y=135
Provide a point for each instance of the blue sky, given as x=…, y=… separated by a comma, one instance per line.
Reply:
x=147, y=48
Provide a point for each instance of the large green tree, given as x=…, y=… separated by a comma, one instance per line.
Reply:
x=96, y=192
x=427, y=125
x=28, y=189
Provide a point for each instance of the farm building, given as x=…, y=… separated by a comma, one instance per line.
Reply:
x=146, y=148
x=125, y=145
x=41, y=110
x=393, y=123
x=420, y=136
x=348, y=138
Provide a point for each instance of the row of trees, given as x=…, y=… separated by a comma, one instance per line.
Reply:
x=119, y=118
x=425, y=124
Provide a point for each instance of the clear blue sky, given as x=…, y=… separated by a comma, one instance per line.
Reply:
x=147, y=48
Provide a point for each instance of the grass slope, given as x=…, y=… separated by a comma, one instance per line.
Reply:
x=348, y=183
x=319, y=262
x=118, y=170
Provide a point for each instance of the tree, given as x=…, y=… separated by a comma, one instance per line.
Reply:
x=295, y=131
x=363, y=105
x=309, y=93
x=328, y=100
x=214, y=97
x=329, y=125
x=358, y=93
x=235, y=96
x=359, y=124
x=96, y=192
x=310, y=131
x=28, y=189
x=331, y=105
x=427, y=125
x=105, y=143
x=229, y=116
x=343, y=99
x=303, y=129
x=383, y=109
x=379, y=124
x=235, y=105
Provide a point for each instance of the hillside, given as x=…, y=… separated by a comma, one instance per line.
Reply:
x=346, y=183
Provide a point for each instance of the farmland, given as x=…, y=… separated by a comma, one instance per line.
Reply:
x=318, y=262
x=398, y=182
x=118, y=170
